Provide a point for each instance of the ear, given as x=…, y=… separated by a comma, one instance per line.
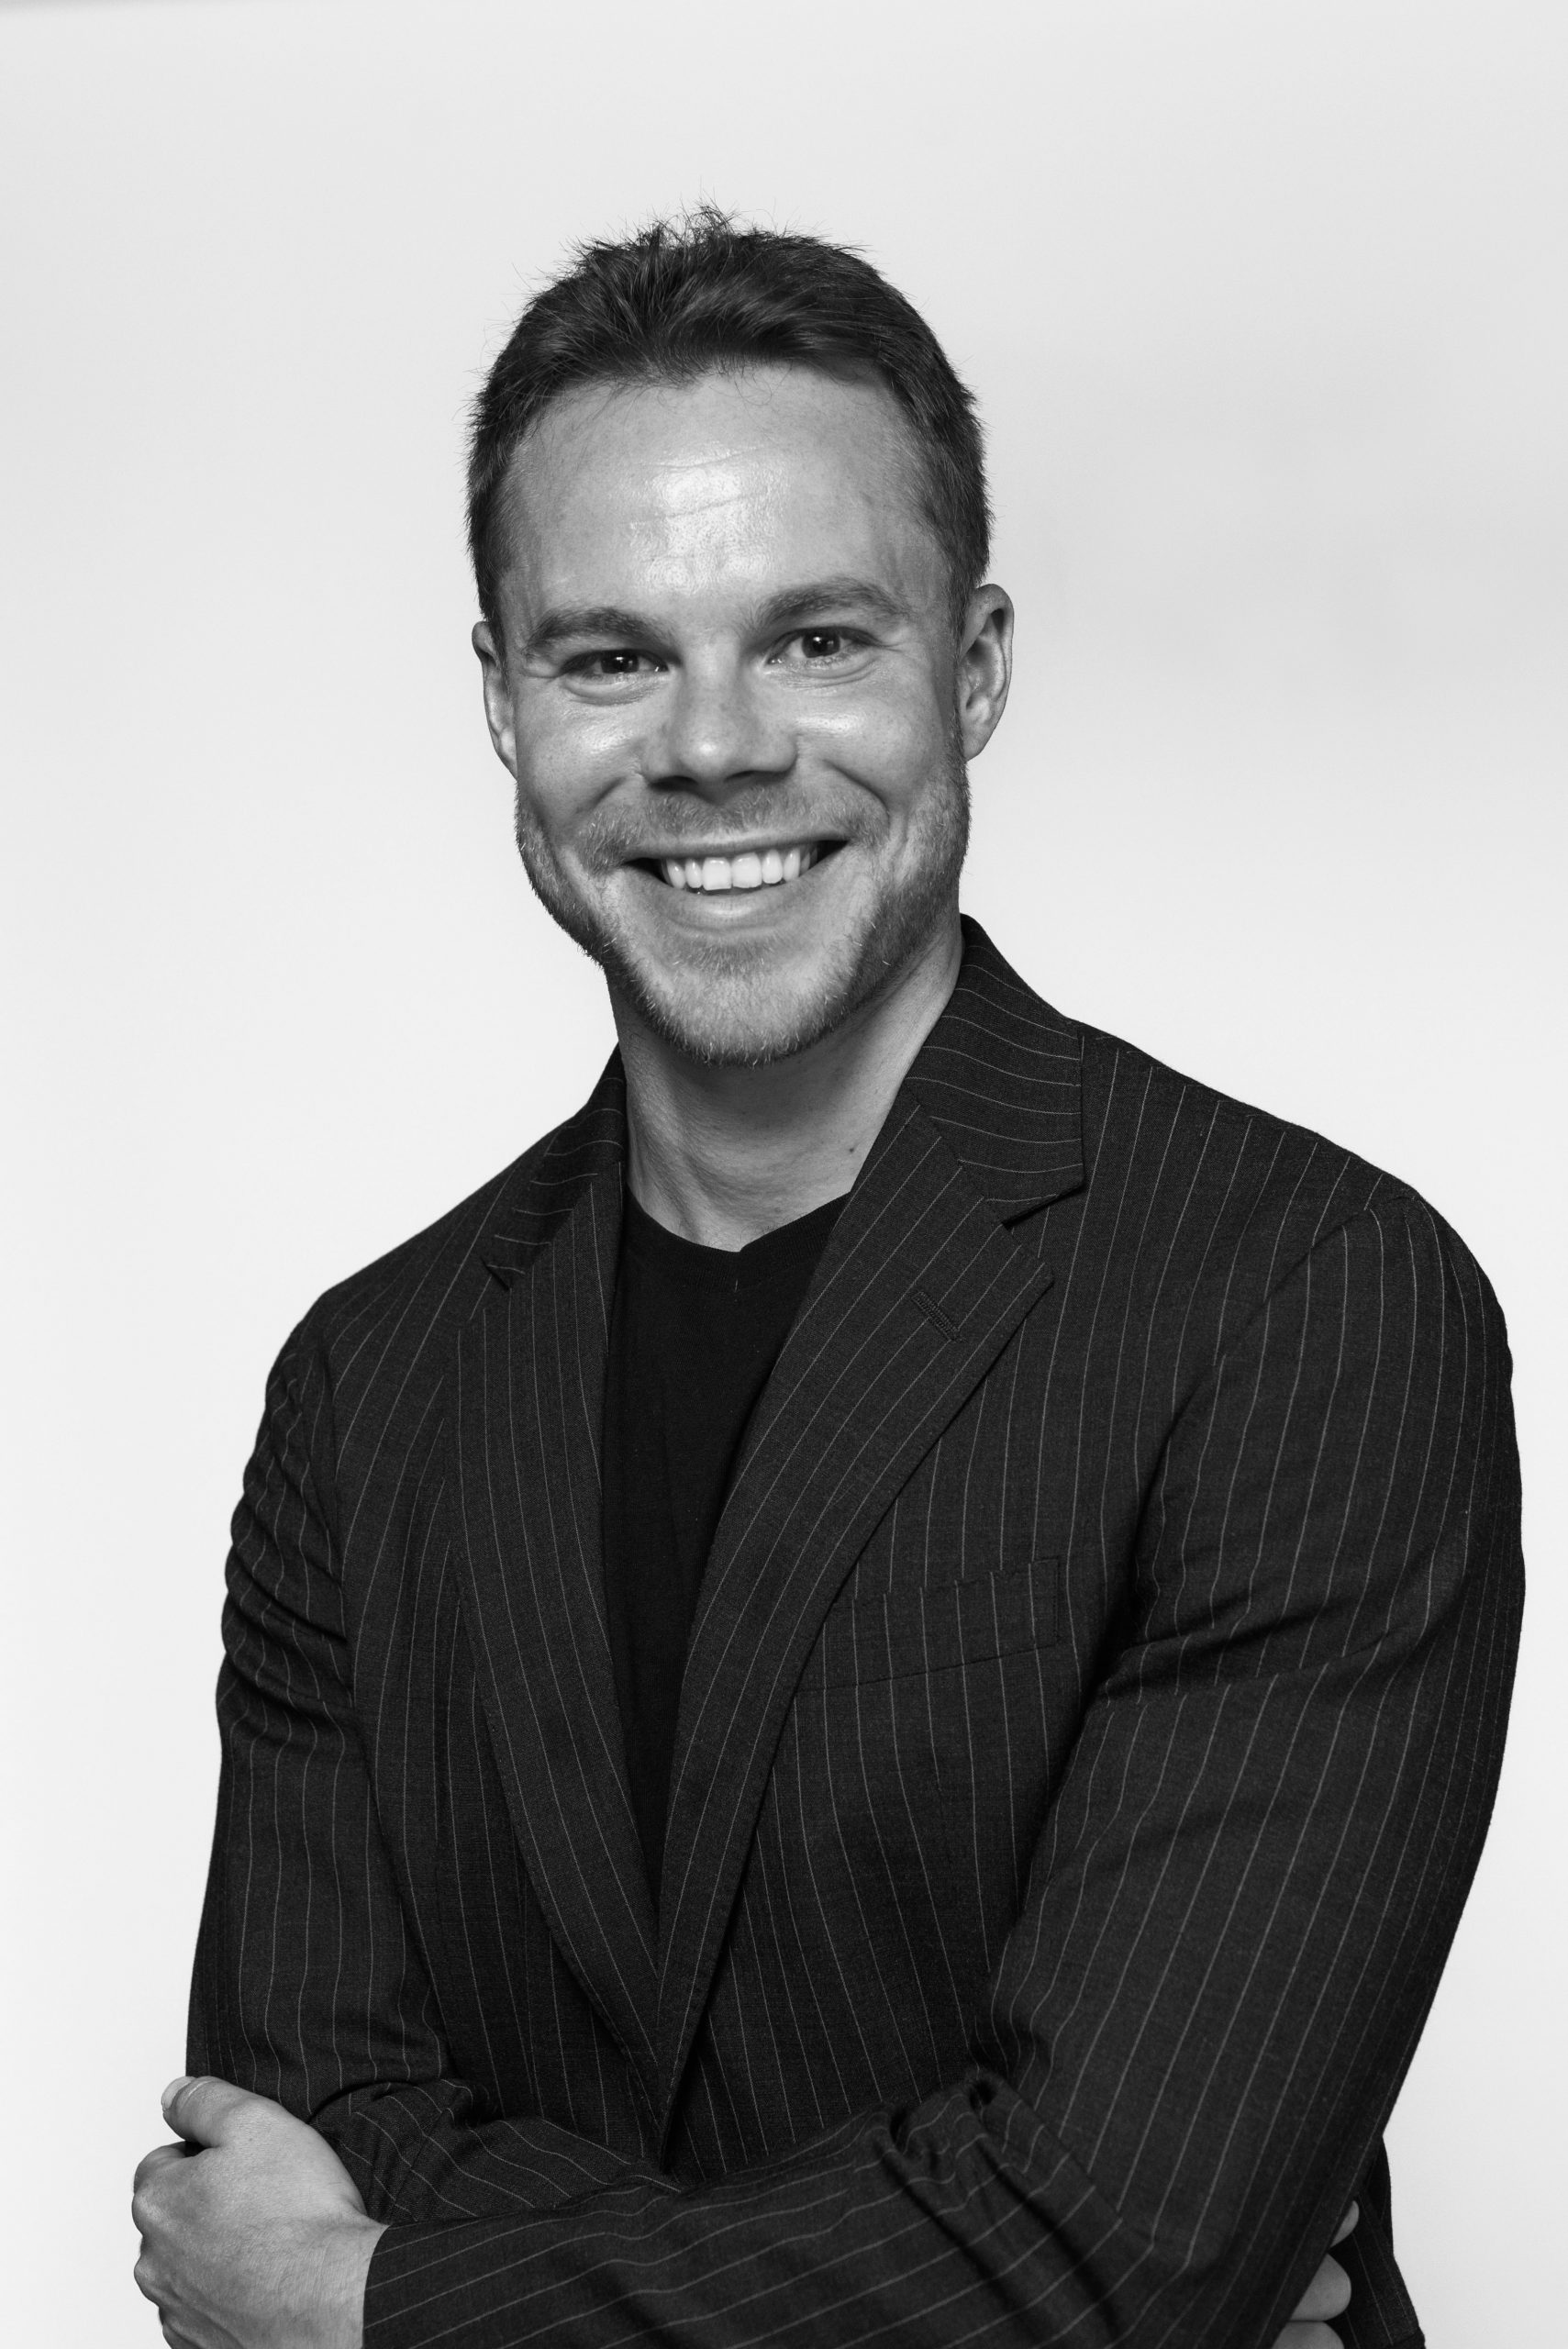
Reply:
x=985, y=666
x=499, y=714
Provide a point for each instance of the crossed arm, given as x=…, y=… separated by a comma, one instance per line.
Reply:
x=1308, y=1715
x=255, y=2235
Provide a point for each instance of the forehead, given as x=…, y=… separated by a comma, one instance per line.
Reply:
x=730, y=479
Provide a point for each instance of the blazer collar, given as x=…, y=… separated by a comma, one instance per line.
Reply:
x=1000, y=1076
x=528, y=1391
x=549, y=1184
x=919, y=1289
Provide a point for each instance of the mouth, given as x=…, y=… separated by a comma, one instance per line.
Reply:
x=768, y=868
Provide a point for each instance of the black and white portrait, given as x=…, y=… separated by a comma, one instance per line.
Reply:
x=786, y=802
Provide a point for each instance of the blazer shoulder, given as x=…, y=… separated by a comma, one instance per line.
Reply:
x=430, y=1282
x=1031, y=1097
x=1155, y=1134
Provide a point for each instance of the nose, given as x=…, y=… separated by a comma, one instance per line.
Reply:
x=719, y=731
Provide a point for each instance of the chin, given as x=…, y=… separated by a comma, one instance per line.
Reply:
x=729, y=1018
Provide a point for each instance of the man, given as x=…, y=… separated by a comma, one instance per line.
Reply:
x=860, y=1699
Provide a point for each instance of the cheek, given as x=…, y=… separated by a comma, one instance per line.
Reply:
x=564, y=772
x=893, y=745
x=908, y=773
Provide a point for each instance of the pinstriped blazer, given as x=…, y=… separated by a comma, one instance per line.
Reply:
x=1092, y=1717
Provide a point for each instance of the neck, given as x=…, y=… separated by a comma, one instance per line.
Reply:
x=722, y=1155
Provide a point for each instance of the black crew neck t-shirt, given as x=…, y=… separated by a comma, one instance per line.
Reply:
x=694, y=1333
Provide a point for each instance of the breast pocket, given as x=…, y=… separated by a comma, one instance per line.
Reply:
x=934, y=1627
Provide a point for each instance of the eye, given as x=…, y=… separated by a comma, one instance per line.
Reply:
x=610, y=662
x=817, y=648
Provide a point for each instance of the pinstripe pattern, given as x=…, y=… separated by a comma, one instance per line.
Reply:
x=1091, y=1721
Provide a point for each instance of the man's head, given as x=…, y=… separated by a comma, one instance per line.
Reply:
x=729, y=523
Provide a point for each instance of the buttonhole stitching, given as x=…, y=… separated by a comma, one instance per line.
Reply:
x=937, y=1313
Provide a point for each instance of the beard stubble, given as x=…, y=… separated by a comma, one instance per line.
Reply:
x=724, y=1009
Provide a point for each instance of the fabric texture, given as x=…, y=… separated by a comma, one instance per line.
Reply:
x=694, y=1333
x=1092, y=1715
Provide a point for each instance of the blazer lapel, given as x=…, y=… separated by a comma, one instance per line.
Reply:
x=922, y=1286
x=529, y=1395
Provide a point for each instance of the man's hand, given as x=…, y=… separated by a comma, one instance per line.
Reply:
x=252, y=2235
x=1328, y=2294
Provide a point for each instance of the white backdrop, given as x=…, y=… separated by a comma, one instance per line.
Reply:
x=1264, y=304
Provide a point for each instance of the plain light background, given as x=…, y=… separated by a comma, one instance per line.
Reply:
x=1263, y=302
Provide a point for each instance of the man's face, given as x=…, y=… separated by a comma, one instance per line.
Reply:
x=733, y=698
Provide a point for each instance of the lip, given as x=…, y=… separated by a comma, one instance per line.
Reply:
x=678, y=851
x=691, y=873
x=727, y=908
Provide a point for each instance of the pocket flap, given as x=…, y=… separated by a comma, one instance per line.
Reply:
x=936, y=1626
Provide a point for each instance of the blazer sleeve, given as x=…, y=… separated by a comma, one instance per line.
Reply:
x=308, y=1985
x=1234, y=1924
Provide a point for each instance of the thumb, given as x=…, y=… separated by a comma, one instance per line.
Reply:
x=203, y=2110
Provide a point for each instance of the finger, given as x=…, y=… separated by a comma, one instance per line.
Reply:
x=203, y=2110
x=158, y=2158
x=1328, y=2294
x=156, y=2188
x=1308, y=2337
x=1348, y=2223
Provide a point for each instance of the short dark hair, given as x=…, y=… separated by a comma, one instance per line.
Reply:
x=679, y=298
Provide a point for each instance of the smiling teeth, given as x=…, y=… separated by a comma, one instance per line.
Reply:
x=748, y=871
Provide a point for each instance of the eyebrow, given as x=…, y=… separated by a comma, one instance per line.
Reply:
x=615, y=623
x=567, y=620
x=826, y=594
